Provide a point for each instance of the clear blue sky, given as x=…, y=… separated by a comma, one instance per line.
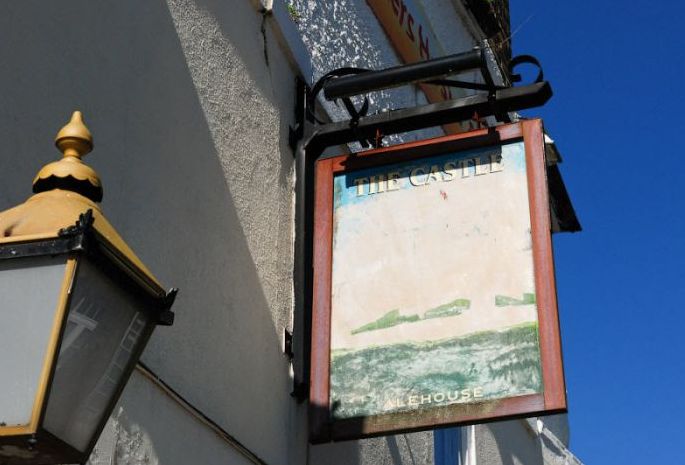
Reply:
x=617, y=116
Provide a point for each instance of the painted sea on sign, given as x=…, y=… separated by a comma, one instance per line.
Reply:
x=433, y=295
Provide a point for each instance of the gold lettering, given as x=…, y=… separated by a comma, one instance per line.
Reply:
x=433, y=175
x=495, y=163
x=423, y=175
x=359, y=182
x=482, y=167
x=414, y=176
x=372, y=185
x=381, y=183
x=465, y=166
x=450, y=169
x=389, y=405
x=393, y=180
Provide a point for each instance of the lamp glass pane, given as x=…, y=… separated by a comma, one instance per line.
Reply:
x=29, y=294
x=105, y=327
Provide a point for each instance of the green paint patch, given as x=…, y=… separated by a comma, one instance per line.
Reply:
x=393, y=317
x=449, y=309
x=390, y=319
x=506, y=301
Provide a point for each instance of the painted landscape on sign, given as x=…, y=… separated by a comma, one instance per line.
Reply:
x=433, y=293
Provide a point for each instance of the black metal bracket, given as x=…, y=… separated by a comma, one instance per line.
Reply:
x=73, y=238
x=83, y=224
x=344, y=83
x=296, y=132
x=364, y=81
x=166, y=316
x=57, y=246
x=355, y=114
x=435, y=114
x=288, y=344
x=318, y=135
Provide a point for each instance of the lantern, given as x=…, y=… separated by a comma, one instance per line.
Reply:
x=77, y=308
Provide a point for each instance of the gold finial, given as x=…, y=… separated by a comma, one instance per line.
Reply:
x=74, y=139
x=70, y=173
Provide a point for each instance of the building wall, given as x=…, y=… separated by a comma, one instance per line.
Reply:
x=190, y=103
x=532, y=441
x=150, y=427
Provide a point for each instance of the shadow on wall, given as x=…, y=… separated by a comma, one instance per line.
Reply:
x=153, y=428
x=203, y=198
x=236, y=25
x=401, y=449
x=509, y=443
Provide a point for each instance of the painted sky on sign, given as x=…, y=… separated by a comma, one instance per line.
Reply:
x=617, y=117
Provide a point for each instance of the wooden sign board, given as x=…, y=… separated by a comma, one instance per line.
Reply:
x=434, y=298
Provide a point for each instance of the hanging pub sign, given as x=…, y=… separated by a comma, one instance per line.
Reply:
x=434, y=299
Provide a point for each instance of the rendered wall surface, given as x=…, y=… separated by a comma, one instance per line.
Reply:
x=401, y=449
x=147, y=427
x=189, y=102
x=534, y=441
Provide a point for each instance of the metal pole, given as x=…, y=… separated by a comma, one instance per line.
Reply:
x=401, y=75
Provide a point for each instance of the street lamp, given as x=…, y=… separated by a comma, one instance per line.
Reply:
x=76, y=310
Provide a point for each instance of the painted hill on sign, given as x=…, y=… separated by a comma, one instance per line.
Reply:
x=505, y=301
x=393, y=317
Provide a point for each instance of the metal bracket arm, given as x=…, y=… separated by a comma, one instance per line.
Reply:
x=435, y=114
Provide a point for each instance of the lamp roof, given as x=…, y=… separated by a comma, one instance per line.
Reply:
x=60, y=198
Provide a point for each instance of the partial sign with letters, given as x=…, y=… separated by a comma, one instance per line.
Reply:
x=434, y=298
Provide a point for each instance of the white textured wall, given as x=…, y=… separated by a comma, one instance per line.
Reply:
x=189, y=103
x=345, y=33
x=401, y=449
x=534, y=441
x=148, y=427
